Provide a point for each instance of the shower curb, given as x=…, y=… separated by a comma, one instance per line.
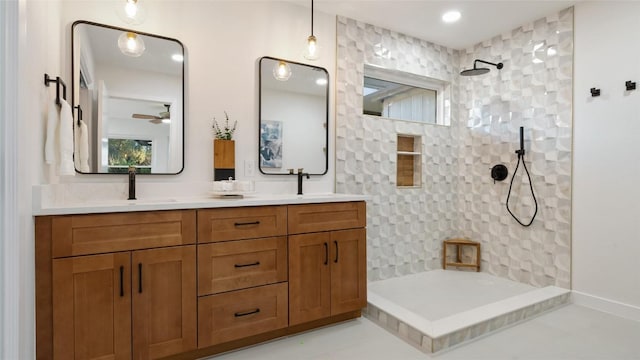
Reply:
x=429, y=341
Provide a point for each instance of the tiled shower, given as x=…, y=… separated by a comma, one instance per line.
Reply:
x=458, y=198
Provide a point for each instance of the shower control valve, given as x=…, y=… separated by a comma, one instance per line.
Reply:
x=499, y=172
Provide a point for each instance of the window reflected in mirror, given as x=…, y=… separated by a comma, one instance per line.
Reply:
x=123, y=153
x=395, y=95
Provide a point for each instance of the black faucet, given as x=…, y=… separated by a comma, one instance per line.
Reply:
x=132, y=183
x=300, y=175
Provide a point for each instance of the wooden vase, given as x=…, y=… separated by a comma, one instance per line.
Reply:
x=224, y=159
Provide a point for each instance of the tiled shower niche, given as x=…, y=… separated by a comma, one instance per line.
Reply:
x=409, y=161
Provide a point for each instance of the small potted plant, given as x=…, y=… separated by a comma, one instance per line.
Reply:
x=224, y=149
x=225, y=133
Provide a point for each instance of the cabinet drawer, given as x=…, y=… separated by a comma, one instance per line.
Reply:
x=241, y=223
x=242, y=313
x=326, y=217
x=101, y=233
x=234, y=265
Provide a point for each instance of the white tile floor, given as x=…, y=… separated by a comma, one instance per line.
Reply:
x=569, y=333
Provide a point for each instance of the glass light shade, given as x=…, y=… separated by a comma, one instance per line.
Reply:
x=132, y=12
x=312, y=51
x=131, y=44
x=282, y=71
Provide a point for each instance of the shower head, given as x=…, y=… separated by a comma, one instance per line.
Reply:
x=475, y=71
x=480, y=71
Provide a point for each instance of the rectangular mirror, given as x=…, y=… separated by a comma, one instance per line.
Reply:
x=294, y=116
x=129, y=87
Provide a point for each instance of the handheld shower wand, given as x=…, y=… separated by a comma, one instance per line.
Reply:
x=521, y=153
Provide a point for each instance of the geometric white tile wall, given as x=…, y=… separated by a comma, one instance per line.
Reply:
x=533, y=90
x=405, y=227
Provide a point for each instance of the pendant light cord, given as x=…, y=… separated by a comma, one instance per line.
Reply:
x=311, y=17
x=521, y=156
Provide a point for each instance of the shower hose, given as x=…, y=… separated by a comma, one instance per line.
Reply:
x=521, y=156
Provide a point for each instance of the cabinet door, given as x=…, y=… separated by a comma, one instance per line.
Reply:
x=164, y=301
x=309, y=277
x=348, y=271
x=92, y=307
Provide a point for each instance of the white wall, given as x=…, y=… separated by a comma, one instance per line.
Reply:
x=606, y=192
x=38, y=53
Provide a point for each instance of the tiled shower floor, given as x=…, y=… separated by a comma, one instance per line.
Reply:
x=438, y=309
x=441, y=293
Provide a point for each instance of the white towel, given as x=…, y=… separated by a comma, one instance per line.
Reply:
x=82, y=148
x=65, y=134
x=51, y=141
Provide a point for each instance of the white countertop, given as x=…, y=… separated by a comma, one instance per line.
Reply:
x=170, y=203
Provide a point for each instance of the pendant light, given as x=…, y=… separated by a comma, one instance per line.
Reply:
x=132, y=12
x=312, y=51
x=131, y=44
x=282, y=71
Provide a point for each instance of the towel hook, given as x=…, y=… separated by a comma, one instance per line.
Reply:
x=630, y=85
x=59, y=82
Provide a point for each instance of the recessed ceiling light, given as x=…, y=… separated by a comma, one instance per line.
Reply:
x=177, y=57
x=451, y=16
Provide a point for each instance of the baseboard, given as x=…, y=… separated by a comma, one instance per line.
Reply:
x=613, y=307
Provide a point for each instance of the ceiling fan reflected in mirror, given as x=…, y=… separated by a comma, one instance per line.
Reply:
x=162, y=117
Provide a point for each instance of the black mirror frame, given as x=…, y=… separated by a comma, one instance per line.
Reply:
x=326, y=157
x=73, y=84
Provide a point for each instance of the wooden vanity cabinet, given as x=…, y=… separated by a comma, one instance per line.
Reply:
x=138, y=302
x=186, y=284
x=327, y=269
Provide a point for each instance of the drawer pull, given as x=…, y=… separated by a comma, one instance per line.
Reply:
x=245, y=265
x=240, y=314
x=247, y=223
x=336, y=244
x=121, y=281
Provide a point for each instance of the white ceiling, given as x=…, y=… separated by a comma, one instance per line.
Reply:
x=481, y=20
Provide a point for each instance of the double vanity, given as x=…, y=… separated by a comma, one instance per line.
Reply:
x=187, y=279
